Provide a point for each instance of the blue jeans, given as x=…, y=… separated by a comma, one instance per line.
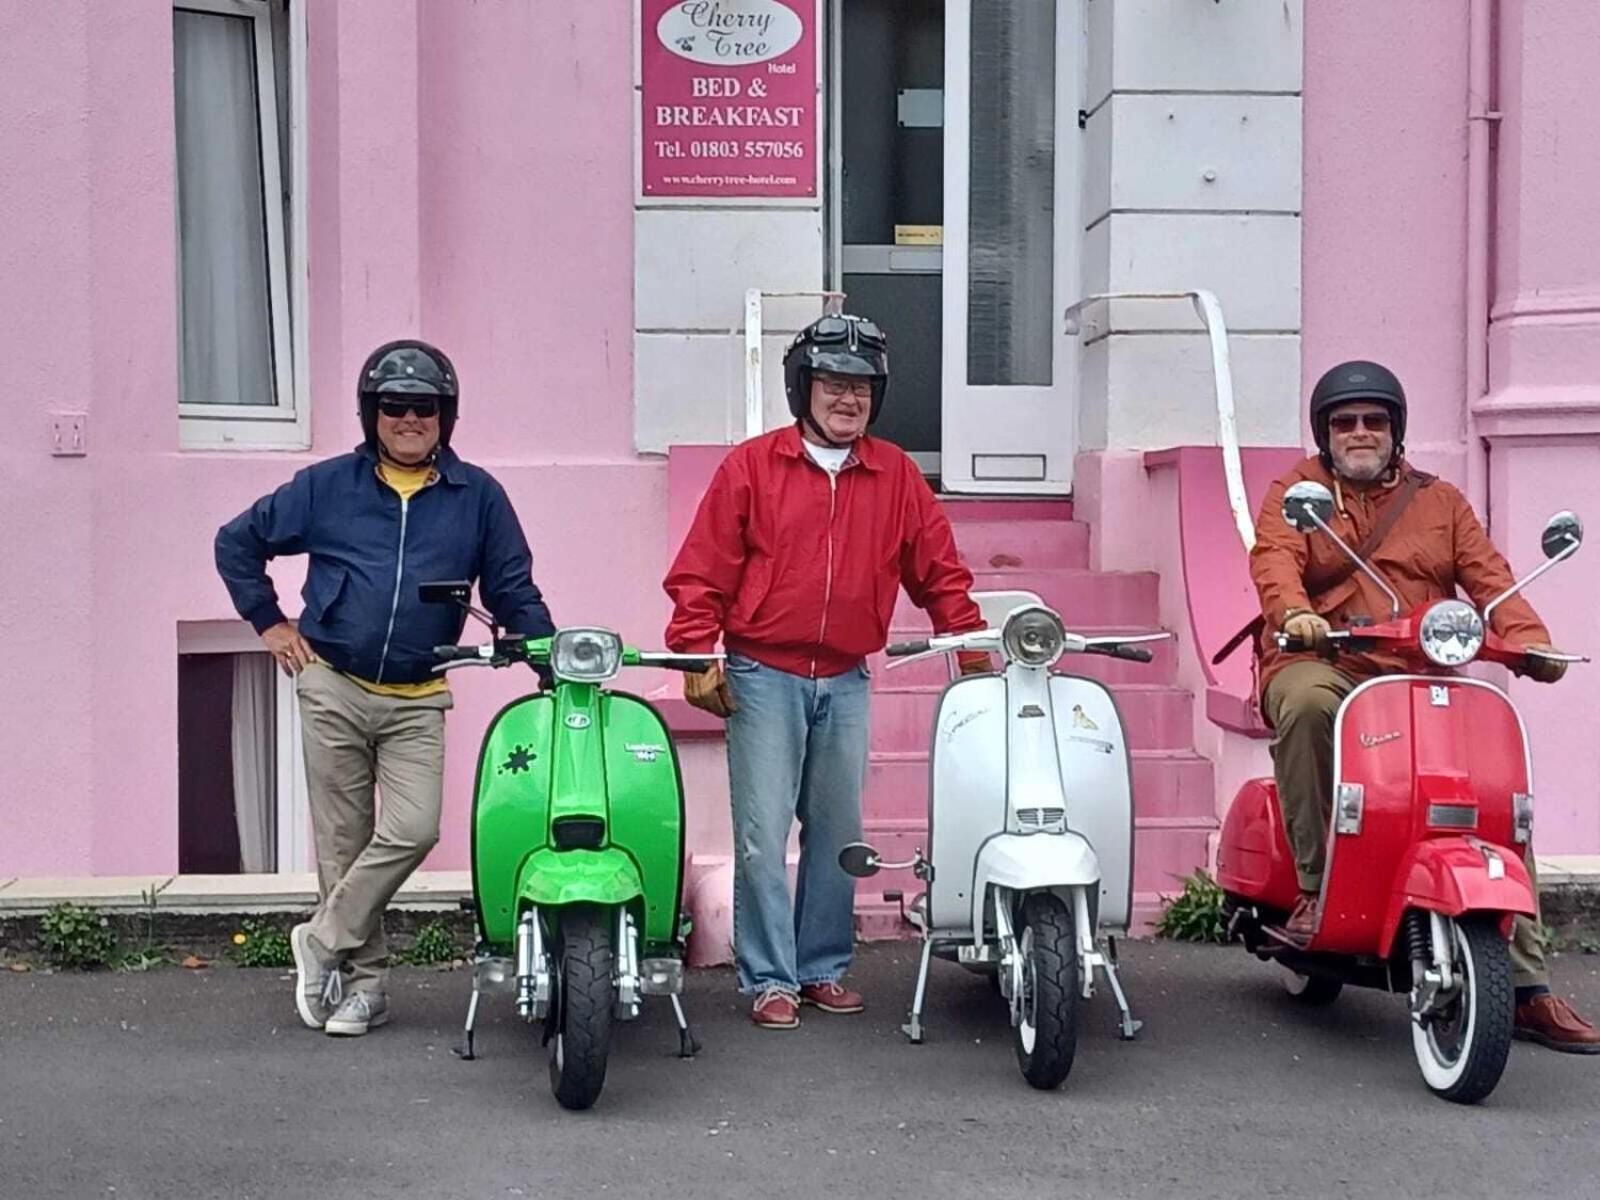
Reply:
x=797, y=747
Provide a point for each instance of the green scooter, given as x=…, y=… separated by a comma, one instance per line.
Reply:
x=577, y=847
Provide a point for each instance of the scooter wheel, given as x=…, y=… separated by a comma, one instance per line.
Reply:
x=582, y=1041
x=1462, y=1051
x=1047, y=1034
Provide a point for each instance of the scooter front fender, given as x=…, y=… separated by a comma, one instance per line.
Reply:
x=1451, y=876
x=552, y=878
x=1033, y=862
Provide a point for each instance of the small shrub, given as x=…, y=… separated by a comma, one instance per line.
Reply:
x=261, y=944
x=1195, y=914
x=74, y=935
x=434, y=943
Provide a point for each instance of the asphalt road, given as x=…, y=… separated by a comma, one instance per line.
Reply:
x=203, y=1084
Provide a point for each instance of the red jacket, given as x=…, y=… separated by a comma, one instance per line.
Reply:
x=800, y=570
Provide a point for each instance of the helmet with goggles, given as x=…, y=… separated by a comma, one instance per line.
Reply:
x=836, y=345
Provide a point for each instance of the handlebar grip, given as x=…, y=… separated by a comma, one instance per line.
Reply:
x=689, y=666
x=1132, y=653
x=1294, y=645
x=901, y=649
x=454, y=653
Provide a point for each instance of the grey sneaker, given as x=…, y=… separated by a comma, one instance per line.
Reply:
x=360, y=1012
x=320, y=987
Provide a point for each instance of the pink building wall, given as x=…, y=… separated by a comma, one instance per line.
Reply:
x=1385, y=276
x=478, y=194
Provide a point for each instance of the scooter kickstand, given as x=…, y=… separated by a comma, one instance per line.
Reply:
x=913, y=1026
x=688, y=1044
x=1129, y=1027
x=465, y=1051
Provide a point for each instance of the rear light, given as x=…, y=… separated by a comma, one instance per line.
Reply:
x=578, y=833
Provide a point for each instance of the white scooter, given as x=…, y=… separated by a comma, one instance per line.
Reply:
x=1030, y=819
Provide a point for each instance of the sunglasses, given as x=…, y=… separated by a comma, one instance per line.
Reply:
x=396, y=407
x=1347, y=422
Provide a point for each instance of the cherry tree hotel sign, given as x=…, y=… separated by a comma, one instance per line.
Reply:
x=728, y=98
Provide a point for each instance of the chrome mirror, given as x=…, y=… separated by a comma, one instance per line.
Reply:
x=1303, y=500
x=1563, y=534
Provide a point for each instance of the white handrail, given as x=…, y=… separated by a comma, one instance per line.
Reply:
x=754, y=409
x=1210, y=313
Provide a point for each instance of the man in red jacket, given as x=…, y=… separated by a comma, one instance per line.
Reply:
x=794, y=560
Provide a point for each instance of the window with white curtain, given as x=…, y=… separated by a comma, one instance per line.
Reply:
x=235, y=223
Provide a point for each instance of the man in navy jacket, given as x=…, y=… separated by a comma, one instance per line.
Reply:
x=399, y=510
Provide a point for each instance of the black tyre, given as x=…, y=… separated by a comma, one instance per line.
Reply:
x=584, y=1000
x=1462, y=1050
x=1047, y=1035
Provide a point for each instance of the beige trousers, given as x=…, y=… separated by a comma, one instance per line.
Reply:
x=358, y=747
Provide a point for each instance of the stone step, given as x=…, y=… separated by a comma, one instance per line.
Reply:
x=1155, y=716
x=1082, y=597
x=1166, y=785
x=1001, y=544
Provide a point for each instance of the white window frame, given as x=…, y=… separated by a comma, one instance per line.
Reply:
x=285, y=425
x=293, y=799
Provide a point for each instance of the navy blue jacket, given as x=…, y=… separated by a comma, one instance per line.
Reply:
x=369, y=551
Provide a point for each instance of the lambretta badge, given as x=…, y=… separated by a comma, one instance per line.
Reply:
x=1100, y=747
x=1081, y=719
x=1369, y=740
x=644, y=752
x=577, y=721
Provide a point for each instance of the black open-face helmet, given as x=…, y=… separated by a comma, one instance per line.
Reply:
x=407, y=369
x=1352, y=381
x=842, y=345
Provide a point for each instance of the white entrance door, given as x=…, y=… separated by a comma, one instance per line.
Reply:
x=1011, y=245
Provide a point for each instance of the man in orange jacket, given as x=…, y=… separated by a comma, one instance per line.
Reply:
x=795, y=558
x=1432, y=545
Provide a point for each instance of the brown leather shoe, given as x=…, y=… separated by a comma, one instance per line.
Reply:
x=1550, y=1021
x=1301, y=926
x=776, y=1009
x=831, y=997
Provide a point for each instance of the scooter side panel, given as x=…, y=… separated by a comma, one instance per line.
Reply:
x=646, y=806
x=1431, y=754
x=1097, y=779
x=511, y=811
x=968, y=786
x=1253, y=856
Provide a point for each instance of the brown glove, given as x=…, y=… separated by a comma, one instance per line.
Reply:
x=709, y=690
x=1542, y=670
x=1309, y=628
x=974, y=662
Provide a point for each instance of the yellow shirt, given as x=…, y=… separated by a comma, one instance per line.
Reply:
x=407, y=481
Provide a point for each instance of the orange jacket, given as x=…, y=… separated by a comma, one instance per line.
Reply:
x=1435, y=547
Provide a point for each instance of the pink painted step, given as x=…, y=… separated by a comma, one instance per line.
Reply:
x=991, y=545
x=1167, y=785
x=1156, y=717
x=935, y=672
x=1081, y=596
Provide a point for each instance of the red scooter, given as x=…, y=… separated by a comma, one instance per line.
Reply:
x=1432, y=813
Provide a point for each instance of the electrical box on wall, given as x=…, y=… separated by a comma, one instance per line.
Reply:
x=69, y=434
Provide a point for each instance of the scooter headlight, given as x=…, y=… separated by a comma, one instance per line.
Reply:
x=1033, y=636
x=586, y=655
x=1452, y=633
